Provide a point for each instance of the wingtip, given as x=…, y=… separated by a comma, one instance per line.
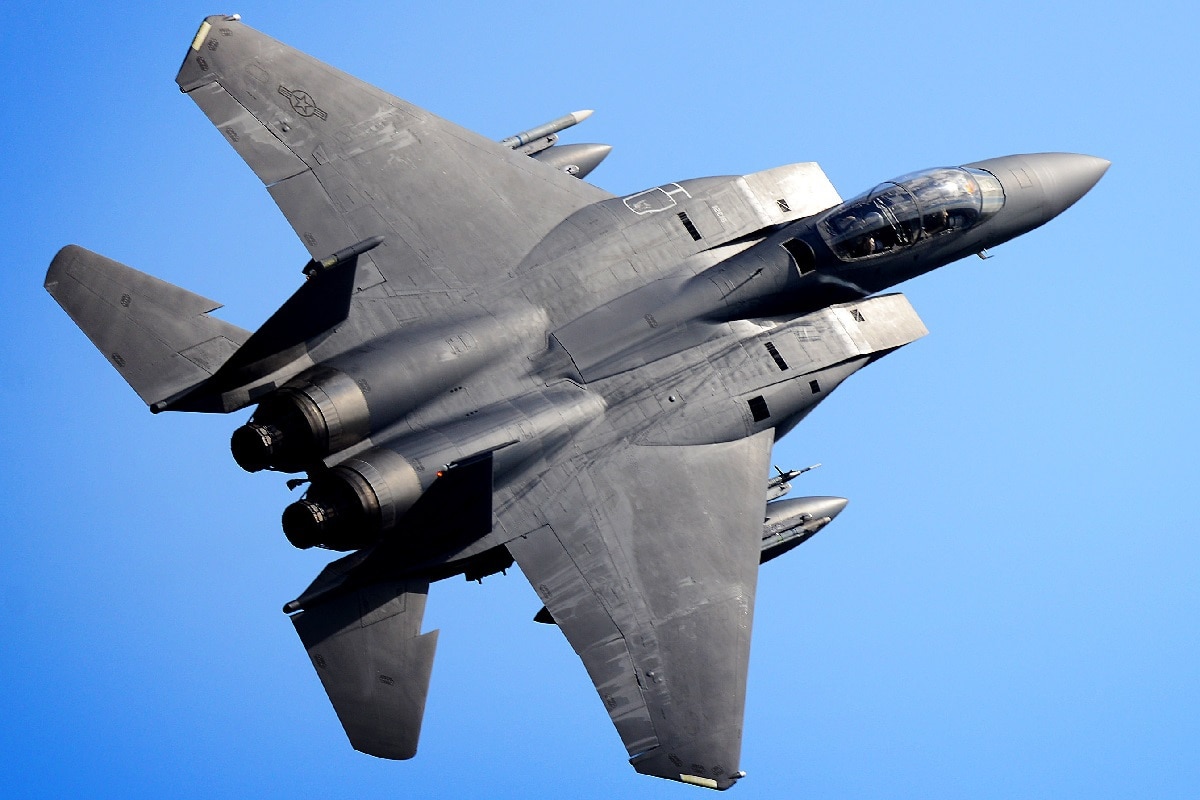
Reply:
x=61, y=265
x=199, y=61
x=661, y=764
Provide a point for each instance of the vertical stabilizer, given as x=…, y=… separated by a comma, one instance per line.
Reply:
x=374, y=662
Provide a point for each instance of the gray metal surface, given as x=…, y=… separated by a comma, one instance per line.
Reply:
x=157, y=335
x=320, y=138
x=374, y=662
x=655, y=591
x=491, y=360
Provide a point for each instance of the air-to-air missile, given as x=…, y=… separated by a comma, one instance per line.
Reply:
x=542, y=136
x=573, y=159
x=781, y=484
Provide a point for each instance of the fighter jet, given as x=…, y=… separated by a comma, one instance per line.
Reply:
x=490, y=360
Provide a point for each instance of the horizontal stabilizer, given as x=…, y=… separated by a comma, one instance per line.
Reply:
x=157, y=335
x=374, y=662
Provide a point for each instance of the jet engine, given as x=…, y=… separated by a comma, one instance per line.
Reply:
x=345, y=399
x=319, y=412
x=435, y=480
x=350, y=505
x=364, y=498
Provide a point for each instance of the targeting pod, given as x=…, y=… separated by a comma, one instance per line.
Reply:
x=791, y=523
x=574, y=159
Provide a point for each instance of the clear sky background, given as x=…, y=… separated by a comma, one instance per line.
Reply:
x=1007, y=608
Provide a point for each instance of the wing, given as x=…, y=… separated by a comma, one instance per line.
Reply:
x=346, y=161
x=648, y=562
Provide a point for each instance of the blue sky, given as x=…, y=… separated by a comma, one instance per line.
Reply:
x=1009, y=605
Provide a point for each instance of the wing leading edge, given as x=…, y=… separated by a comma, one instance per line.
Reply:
x=648, y=562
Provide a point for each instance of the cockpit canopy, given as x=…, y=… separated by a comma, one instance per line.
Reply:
x=911, y=208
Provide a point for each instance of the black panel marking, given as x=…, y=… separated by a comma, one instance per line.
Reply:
x=758, y=408
x=779, y=362
x=691, y=226
x=815, y=386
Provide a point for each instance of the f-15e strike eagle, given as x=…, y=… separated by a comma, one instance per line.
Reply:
x=493, y=360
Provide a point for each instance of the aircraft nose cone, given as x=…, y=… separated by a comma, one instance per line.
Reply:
x=1066, y=177
x=1040, y=186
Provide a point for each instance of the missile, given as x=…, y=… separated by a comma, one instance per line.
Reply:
x=781, y=484
x=345, y=254
x=528, y=141
x=791, y=523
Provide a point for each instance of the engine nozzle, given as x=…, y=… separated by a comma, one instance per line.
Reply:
x=354, y=503
x=333, y=514
x=307, y=524
x=319, y=412
x=255, y=446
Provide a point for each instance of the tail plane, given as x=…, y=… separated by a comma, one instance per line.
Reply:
x=162, y=340
x=159, y=336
